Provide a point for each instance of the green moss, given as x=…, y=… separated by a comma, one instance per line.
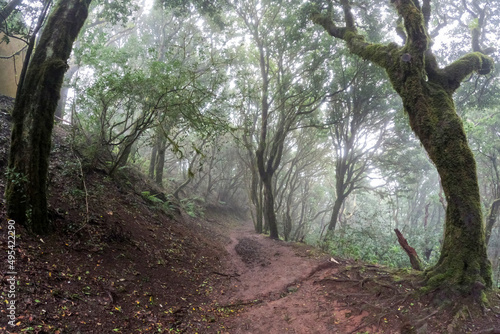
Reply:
x=379, y=54
x=471, y=62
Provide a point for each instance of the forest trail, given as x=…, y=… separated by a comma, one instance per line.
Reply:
x=120, y=262
x=280, y=286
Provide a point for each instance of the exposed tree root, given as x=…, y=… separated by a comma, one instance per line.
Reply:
x=242, y=303
x=228, y=275
x=322, y=266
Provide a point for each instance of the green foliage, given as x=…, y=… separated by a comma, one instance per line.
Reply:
x=147, y=85
x=209, y=8
x=16, y=178
x=151, y=198
x=369, y=245
x=16, y=23
x=114, y=12
x=193, y=206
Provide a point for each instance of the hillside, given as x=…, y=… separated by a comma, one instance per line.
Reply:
x=120, y=261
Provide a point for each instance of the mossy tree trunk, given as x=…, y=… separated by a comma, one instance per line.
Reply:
x=426, y=91
x=33, y=116
x=256, y=197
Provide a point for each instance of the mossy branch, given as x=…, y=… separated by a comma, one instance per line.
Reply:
x=327, y=23
x=377, y=53
x=415, y=26
x=468, y=64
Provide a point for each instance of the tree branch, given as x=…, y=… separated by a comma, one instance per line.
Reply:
x=466, y=65
x=377, y=53
x=415, y=27
x=328, y=24
x=426, y=11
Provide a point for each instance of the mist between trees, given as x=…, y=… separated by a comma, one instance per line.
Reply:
x=285, y=111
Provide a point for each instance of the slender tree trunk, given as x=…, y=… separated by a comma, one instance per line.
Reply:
x=128, y=145
x=190, y=174
x=160, y=161
x=260, y=208
x=337, y=206
x=33, y=116
x=61, y=104
x=269, y=213
x=256, y=200
x=287, y=226
x=152, y=162
x=410, y=251
x=492, y=218
x=123, y=155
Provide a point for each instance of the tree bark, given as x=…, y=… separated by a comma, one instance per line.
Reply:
x=266, y=170
x=33, y=116
x=426, y=91
x=335, y=215
x=492, y=218
x=190, y=173
x=269, y=212
x=61, y=104
x=152, y=162
x=160, y=161
x=254, y=196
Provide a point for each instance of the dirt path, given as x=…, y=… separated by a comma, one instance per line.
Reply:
x=274, y=287
x=280, y=285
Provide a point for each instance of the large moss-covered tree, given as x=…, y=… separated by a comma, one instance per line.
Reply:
x=33, y=116
x=426, y=90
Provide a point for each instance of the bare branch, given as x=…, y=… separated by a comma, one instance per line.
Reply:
x=15, y=53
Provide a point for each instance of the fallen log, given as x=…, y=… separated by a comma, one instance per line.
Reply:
x=415, y=261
